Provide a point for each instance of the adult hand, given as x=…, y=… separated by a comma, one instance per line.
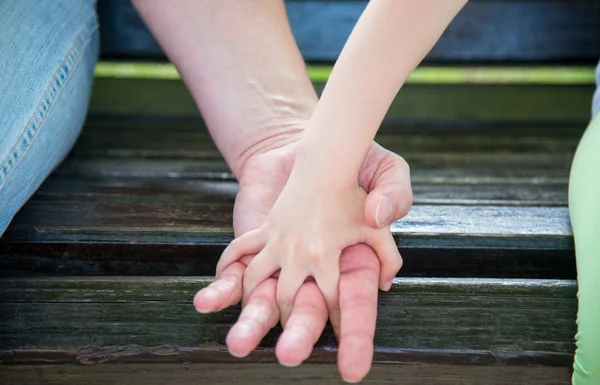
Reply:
x=385, y=176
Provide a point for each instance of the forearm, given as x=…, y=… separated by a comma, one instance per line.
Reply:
x=242, y=66
x=390, y=39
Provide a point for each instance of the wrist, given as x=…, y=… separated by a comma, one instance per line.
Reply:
x=320, y=166
x=269, y=137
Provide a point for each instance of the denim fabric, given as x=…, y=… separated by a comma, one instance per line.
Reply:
x=48, y=50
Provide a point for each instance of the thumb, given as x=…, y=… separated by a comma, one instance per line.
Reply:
x=390, y=197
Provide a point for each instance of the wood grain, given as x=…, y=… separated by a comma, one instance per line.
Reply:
x=129, y=188
x=185, y=373
x=210, y=223
x=517, y=321
x=154, y=197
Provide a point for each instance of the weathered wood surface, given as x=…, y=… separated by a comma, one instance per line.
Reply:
x=156, y=138
x=468, y=321
x=450, y=104
x=112, y=248
x=204, y=223
x=487, y=31
x=438, y=189
x=108, y=258
x=258, y=374
x=156, y=198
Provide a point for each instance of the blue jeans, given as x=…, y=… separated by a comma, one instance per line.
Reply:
x=48, y=51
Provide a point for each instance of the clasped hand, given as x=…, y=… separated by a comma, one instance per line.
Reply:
x=303, y=237
x=384, y=176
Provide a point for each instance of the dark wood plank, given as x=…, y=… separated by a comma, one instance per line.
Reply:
x=158, y=198
x=484, y=31
x=189, y=190
x=517, y=321
x=184, y=373
x=200, y=223
x=156, y=138
x=441, y=168
x=416, y=104
x=532, y=156
x=69, y=258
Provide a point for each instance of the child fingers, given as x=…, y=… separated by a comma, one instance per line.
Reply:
x=387, y=251
x=260, y=269
x=250, y=243
x=328, y=281
x=290, y=281
x=225, y=291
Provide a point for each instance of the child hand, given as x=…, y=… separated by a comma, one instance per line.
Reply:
x=304, y=235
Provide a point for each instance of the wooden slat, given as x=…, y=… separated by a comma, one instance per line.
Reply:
x=517, y=321
x=191, y=140
x=258, y=374
x=451, y=168
x=511, y=155
x=487, y=31
x=189, y=190
x=176, y=223
x=448, y=104
x=67, y=258
x=155, y=197
x=567, y=75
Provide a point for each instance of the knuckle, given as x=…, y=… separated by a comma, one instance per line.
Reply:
x=253, y=273
x=315, y=253
x=394, y=263
x=359, y=302
x=262, y=303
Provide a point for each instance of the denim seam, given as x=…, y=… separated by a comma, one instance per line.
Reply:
x=57, y=83
x=23, y=58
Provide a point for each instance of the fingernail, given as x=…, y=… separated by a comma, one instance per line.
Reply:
x=388, y=285
x=349, y=381
x=384, y=211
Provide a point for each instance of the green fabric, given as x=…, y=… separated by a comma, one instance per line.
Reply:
x=584, y=206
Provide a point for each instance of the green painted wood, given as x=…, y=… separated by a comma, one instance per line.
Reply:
x=568, y=75
x=416, y=103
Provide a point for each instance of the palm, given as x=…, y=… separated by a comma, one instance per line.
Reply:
x=263, y=178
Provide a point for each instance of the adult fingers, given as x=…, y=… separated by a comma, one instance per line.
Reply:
x=290, y=281
x=256, y=319
x=304, y=327
x=358, y=304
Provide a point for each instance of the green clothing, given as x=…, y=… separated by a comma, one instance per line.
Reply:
x=584, y=207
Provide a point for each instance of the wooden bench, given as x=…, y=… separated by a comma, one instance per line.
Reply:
x=98, y=270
